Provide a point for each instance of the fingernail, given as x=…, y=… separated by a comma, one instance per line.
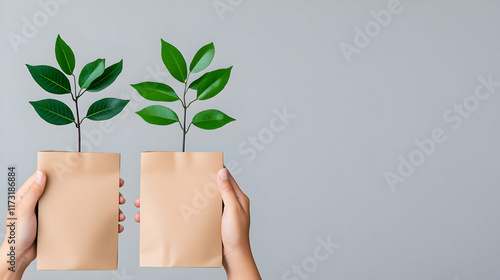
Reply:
x=39, y=177
x=223, y=174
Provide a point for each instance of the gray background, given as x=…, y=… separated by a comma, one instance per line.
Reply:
x=323, y=173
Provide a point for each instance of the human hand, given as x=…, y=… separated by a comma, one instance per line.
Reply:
x=237, y=254
x=26, y=225
x=121, y=216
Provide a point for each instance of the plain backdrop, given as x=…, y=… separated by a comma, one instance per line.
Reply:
x=321, y=173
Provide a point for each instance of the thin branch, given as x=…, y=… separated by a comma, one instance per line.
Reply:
x=188, y=127
x=191, y=103
x=84, y=91
x=74, y=83
x=185, y=113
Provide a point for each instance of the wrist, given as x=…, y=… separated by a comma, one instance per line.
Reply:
x=240, y=264
x=11, y=270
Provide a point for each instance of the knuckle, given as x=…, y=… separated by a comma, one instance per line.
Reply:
x=226, y=187
x=32, y=191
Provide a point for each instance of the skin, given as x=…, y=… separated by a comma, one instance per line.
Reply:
x=26, y=226
x=237, y=254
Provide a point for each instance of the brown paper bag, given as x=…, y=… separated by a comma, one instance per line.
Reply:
x=78, y=211
x=181, y=210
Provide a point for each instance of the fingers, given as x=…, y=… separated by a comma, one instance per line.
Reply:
x=237, y=189
x=122, y=199
x=242, y=198
x=121, y=216
x=226, y=189
x=137, y=204
x=30, y=192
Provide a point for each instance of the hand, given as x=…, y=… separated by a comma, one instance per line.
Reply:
x=121, y=216
x=26, y=225
x=237, y=254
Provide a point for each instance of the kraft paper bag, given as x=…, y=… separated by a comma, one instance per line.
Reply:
x=78, y=211
x=181, y=210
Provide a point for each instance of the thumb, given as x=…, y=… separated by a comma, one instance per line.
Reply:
x=226, y=189
x=30, y=192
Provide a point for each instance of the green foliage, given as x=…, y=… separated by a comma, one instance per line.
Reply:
x=208, y=85
x=156, y=91
x=65, y=56
x=107, y=78
x=213, y=83
x=158, y=115
x=50, y=79
x=90, y=72
x=202, y=58
x=174, y=61
x=93, y=77
x=53, y=111
x=211, y=119
x=105, y=109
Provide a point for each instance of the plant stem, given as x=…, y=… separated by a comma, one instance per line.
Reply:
x=184, y=131
x=78, y=126
x=78, y=122
x=187, y=130
x=191, y=103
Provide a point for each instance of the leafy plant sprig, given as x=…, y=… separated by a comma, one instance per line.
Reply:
x=94, y=77
x=207, y=86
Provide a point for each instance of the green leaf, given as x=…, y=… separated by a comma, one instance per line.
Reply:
x=213, y=83
x=105, y=109
x=196, y=83
x=91, y=72
x=211, y=119
x=156, y=91
x=158, y=115
x=65, y=56
x=107, y=78
x=202, y=58
x=50, y=79
x=53, y=111
x=174, y=61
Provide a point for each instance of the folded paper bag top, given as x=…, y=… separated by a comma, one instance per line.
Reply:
x=181, y=209
x=78, y=211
